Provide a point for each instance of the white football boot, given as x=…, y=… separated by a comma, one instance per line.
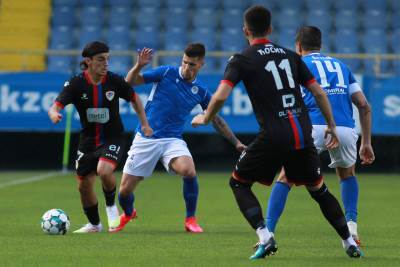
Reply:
x=113, y=217
x=89, y=228
x=353, y=231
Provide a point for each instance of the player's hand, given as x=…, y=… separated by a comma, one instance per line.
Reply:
x=366, y=154
x=240, y=146
x=331, y=137
x=147, y=130
x=198, y=120
x=54, y=116
x=144, y=56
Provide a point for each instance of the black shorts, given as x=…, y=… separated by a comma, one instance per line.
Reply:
x=260, y=162
x=112, y=151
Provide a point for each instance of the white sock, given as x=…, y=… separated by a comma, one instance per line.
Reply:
x=263, y=235
x=348, y=242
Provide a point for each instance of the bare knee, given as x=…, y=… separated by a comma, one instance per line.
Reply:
x=85, y=187
x=188, y=172
x=344, y=173
x=128, y=184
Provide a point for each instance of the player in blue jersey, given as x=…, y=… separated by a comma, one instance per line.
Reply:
x=342, y=90
x=176, y=91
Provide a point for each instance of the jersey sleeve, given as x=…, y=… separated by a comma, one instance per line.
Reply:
x=66, y=95
x=233, y=75
x=305, y=76
x=126, y=91
x=206, y=100
x=155, y=75
x=354, y=87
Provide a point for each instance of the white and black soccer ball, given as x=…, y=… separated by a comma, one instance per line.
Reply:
x=55, y=222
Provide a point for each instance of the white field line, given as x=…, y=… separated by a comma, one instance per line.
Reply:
x=32, y=179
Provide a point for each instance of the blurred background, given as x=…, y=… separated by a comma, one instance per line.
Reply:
x=41, y=42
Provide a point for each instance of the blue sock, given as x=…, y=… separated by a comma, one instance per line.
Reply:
x=190, y=194
x=126, y=203
x=349, y=190
x=276, y=204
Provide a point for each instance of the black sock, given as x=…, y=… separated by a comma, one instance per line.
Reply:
x=92, y=213
x=248, y=203
x=109, y=196
x=332, y=211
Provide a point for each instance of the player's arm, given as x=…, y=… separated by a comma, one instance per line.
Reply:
x=222, y=127
x=54, y=112
x=325, y=107
x=364, y=110
x=134, y=77
x=138, y=107
x=217, y=101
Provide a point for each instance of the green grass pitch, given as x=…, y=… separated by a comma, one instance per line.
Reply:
x=157, y=237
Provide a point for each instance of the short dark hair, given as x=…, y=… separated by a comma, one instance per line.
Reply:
x=309, y=37
x=195, y=50
x=258, y=20
x=91, y=49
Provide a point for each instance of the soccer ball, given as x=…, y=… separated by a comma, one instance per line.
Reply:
x=55, y=222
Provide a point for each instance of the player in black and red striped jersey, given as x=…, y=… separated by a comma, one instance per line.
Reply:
x=272, y=76
x=95, y=94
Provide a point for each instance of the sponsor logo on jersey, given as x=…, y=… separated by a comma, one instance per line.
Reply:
x=66, y=83
x=84, y=96
x=195, y=89
x=99, y=115
x=110, y=95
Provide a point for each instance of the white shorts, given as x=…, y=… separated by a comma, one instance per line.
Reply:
x=145, y=153
x=345, y=155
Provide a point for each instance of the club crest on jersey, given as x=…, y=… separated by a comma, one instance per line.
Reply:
x=110, y=95
x=195, y=89
x=84, y=96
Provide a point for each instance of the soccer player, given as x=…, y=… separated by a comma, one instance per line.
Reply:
x=272, y=76
x=96, y=93
x=176, y=91
x=342, y=90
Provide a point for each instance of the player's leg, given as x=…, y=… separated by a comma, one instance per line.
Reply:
x=343, y=159
x=142, y=159
x=349, y=192
x=177, y=159
x=109, y=156
x=85, y=169
x=255, y=164
x=126, y=199
x=303, y=167
x=89, y=204
x=105, y=169
x=333, y=213
x=277, y=200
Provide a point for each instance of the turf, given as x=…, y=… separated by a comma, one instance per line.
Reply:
x=157, y=238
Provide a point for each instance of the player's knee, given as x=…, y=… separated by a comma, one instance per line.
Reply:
x=318, y=194
x=235, y=184
x=105, y=172
x=84, y=188
x=344, y=173
x=188, y=172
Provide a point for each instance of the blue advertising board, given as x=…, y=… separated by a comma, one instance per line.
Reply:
x=384, y=97
x=26, y=97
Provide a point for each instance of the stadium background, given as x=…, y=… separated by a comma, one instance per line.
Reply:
x=40, y=44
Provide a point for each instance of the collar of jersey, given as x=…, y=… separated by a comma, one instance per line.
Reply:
x=180, y=75
x=260, y=41
x=89, y=80
x=313, y=54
